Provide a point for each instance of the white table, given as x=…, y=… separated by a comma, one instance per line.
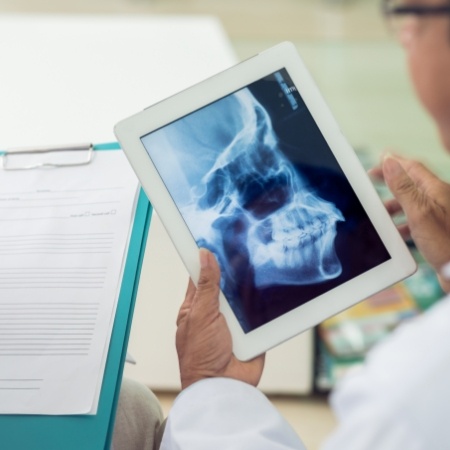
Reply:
x=68, y=79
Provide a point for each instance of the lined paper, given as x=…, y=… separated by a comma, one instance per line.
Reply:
x=64, y=234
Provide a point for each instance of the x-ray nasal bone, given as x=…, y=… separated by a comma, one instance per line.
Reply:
x=252, y=203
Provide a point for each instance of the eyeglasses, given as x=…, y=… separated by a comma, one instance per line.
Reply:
x=399, y=15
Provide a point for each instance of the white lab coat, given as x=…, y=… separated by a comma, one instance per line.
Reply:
x=399, y=400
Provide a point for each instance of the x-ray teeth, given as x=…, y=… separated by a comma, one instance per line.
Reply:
x=295, y=245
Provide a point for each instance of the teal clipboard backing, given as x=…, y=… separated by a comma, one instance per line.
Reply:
x=90, y=432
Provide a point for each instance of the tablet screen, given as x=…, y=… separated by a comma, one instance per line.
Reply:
x=257, y=184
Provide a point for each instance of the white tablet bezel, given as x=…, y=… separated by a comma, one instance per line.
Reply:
x=130, y=131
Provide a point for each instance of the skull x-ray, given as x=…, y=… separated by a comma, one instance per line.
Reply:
x=257, y=184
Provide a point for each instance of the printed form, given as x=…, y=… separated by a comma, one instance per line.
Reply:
x=63, y=241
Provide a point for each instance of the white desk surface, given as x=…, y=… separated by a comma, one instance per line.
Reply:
x=69, y=79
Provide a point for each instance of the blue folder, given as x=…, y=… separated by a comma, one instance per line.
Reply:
x=90, y=432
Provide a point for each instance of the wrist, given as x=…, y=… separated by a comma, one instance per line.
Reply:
x=186, y=382
x=187, y=379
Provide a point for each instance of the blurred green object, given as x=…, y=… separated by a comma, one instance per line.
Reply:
x=424, y=285
x=344, y=340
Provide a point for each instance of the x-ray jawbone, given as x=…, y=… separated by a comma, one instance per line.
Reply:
x=279, y=224
x=286, y=250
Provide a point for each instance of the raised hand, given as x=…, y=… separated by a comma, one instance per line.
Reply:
x=425, y=201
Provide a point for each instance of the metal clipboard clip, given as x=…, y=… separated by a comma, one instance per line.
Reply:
x=27, y=158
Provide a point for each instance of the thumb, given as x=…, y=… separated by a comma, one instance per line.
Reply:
x=208, y=282
x=399, y=182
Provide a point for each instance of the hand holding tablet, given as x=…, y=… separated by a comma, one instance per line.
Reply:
x=251, y=165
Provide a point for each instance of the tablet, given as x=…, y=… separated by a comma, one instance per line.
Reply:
x=251, y=164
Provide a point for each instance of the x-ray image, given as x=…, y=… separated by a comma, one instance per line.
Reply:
x=257, y=184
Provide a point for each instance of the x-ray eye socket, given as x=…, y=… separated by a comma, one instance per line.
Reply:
x=269, y=197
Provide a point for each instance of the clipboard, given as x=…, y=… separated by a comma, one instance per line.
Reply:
x=90, y=432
